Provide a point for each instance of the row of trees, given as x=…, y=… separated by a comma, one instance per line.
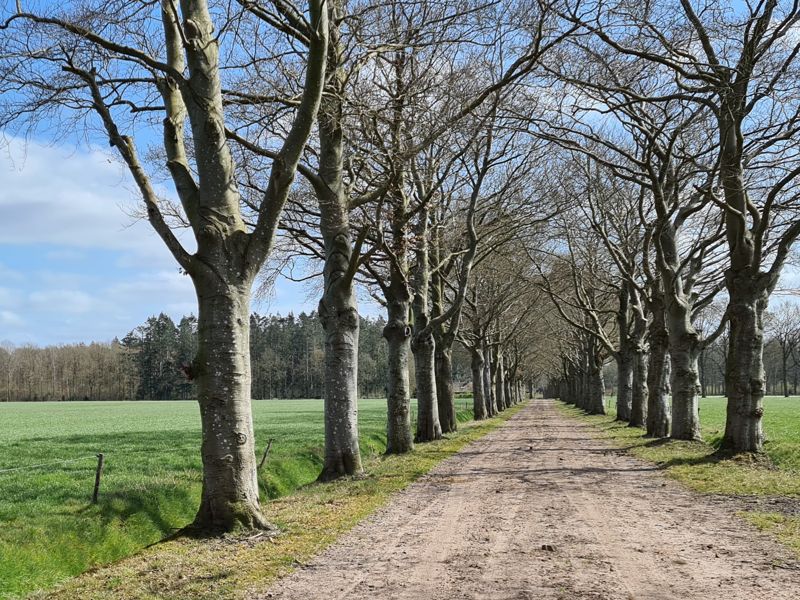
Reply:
x=781, y=355
x=681, y=140
x=547, y=182
x=286, y=357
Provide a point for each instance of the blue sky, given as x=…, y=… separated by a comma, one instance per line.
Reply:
x=75, y=266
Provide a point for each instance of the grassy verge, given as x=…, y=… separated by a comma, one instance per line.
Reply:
x=697, y=465
x=309, y=520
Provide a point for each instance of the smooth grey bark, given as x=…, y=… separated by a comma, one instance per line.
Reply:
x=446, y=323
x=744, y=375
x=749, y=230
x=684, y=340
x=443, y=364
x=684, y=349
x=422, y=342
x=398, y=333
x=685, y=381
x=499, y=382
x=659, y=417
x=639, y=351
x=230, y=494
x=338, y=308
x=596, y=385
x=428, y=427
x=478, y=396
x=227, y=257
x=229, y=251
x=639, y=393
x=338, y=314
x=749, y=287
x=624, y=356
x=581, y=380
x=443, y=352
x=658, y=413
x=624, y=360
x=488, y=380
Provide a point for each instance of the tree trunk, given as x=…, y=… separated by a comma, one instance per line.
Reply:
x=428, y=427
x=583, y=384
x=596, y=387
x=499, y=383
x=338, y=308
x=488, y=393
x=685, y=384
x=339, y=316
x=744, y=376
x=624, y=356
x=639, y=391
x=443, y=359
x=422, y=342
x=658, y=376
x=230, y=496
x=624, y=384
x=479, y=411
x=397, y=333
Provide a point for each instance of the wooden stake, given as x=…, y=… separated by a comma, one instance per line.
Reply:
x=266, y=452
x=100, y=462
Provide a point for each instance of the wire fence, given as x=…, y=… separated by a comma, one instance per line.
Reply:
x=100, y=458
x=57, y=463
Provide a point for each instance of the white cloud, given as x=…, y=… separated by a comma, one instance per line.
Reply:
x=72, y=302
x=74, y=266
x=76, y=200
x=7, y=274
x=162, y=287
x=9, y=318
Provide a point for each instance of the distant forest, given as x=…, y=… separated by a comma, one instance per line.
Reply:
x=287, y=362
x=150, y=362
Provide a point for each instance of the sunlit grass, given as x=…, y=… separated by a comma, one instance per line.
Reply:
x=49, y=530
x=699, y=465
x=309, y=520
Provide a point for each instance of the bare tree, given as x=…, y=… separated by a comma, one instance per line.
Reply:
x=784, y=325
x=164, y=59
x=739, y=64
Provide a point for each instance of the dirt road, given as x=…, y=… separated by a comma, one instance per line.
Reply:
x=541, y=508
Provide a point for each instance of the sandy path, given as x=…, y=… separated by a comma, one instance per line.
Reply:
x=475, y=527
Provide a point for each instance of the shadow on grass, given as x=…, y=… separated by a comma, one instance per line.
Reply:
x=702, y=453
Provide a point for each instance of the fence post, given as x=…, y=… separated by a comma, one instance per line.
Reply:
x=266, y=452
x=100, y=462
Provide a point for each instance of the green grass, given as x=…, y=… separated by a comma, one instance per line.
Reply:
x=50, y=531
x=700, y=467
x=781, y=428
x=235, y=568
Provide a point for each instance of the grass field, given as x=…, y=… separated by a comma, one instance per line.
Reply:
x=49, y=530
x=781, y=428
